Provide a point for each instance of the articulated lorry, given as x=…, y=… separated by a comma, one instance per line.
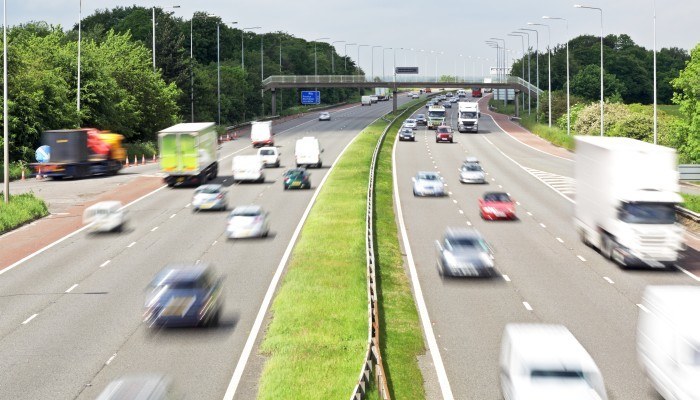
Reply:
x=383, y=94
x=188, y=153
x=79, y=153
x=626, y=197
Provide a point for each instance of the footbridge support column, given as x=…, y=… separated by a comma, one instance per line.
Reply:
x=394, y=101
x=274, y=101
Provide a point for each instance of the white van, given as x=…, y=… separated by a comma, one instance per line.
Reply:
x=105, y=216
x=366, y=100
x=546, y=362
x=308, y=152
x=668, y=340
x=248, y=169
x=468, y=117
x=261, y=133
x=270, y=156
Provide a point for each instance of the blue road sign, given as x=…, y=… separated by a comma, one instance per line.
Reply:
x=311, y=97
x=43, y=154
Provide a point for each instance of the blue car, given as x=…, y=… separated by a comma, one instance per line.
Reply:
x=184, y=295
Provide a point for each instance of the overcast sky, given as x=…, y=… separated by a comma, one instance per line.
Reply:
x=452, y=27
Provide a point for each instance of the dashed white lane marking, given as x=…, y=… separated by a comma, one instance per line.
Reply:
x=131, y=244
x=461, y=212
x=154, y=229
x=450, y=193
x=110, y=359
x=506, y=278
x=690, y=274
x=543, y=225
x=560, y=240
x=26, y=321
x=188, y=204
x=610, y=281
x=104, y=264
x=215, y=242
x=173, y=216
x=641, y=307
x=581, y=258
x=197, y=262
x=70, y=289
x=500, y=186
x=529, y=213
x=517, y=202
x=454, y=201
x=527, y=306
x=469, y=223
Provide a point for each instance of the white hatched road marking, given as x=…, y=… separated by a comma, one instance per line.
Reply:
x=562, y=184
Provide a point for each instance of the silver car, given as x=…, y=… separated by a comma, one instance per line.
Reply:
x=427, y=183
x=410, y=123
x=472, y=173
x=209, y=197
x=464, y=252
x=324, y=116
x=247, y=221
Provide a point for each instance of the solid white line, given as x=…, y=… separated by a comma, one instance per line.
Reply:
x=506, y=278
x=418, y=292
x=512, y=137
x=110, y=359
x=560, y=240
x=690, y=274
x=26, y=321
x=105, y=263
x=173, y=216
x=610, y=281
x=646, y=310
x=43, y=249
x=255, y=329
x=154, y=229
x=527, y=306
x=581, y=258
x=130, y=244
x=70, y=289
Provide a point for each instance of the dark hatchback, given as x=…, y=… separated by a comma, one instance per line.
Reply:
x=184, y=295
x=407, y=134
x=421, y=119
x=296, y=178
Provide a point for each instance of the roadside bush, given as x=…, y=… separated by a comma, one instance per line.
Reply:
x=21, y=209
x=16, y=170
x=140, y=149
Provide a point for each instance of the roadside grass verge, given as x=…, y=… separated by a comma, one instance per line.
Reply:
x=16, y=168
x=317, y=338
x=21, y=209
x=691, y=202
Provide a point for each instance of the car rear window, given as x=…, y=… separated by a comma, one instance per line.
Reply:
x=267, y=152
x=245, y=213
x=444, y=130
x=207, y=190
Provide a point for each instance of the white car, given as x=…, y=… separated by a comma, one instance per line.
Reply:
x=270, y=156
x=324, y=116
x=415, y=96
x=410, y=123
x=427, y=183
x=247, y=221
x=472, y=173
x=105, y=216
x=209, y=197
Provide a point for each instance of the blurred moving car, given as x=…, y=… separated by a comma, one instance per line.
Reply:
x=427, y=183
x=546, y=362
x=454, y=99
x=415, y=96
x=476, y=92
x=296, y=178
x=464, y=252
x=137, y=387
x=410, y=123
x=447, y=104
x=421, y=119
x=105, y=216
x=497, y=205
x=472, y=173
x=247, y=168
x=270, y=156
x=209, y=197
x=374, y=98
x=471, y=159
x=443, y=133
x=184, y=295
x=407, y=134
x=668, y=340
x=324, y=116
x=247, y=221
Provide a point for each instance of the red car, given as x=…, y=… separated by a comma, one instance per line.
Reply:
x=476, y=92
x=497, y=205
x=443, y=133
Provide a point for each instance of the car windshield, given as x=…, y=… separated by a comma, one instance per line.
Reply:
x=410, y=121
x=467, y=114
x=471, y=167
x=557, y=374
x=499, y=197
x=436, y=114
x=647, y=213
x=207, y=190
x=420, y=116
x=407, y=130
x=294, y=174
x=245, y=213
x=466, y=242
x=428, y=177
x=444, y=130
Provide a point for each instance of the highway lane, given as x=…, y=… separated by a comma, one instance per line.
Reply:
x=76, y=342
x=544, y=278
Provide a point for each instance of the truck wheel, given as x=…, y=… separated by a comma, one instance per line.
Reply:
x=606, y=247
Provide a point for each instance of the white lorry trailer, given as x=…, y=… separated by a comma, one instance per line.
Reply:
x=468, y=117
x=626, y=196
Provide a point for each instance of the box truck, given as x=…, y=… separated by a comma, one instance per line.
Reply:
x=366, y=101
x=261, y=134
x=307, y=152
x=188, y=153
x=383, y=94
x=468, y=117
x=79, y=153
x=626, y=197
x=668, y=340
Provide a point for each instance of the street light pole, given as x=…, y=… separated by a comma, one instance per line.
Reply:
x=358, y=56
x=242, y=49
x=383, y=62
x=655, y=115
x=315, y=56
x=80, y=20
x=601, y=63
x=522, y=43
x=568, y=96
x=333, y=54
x=529, y=71
x=537, y=69
x=503, y=74
x=218, y=73
x=373, y=47
x=154, y=35
x=5, y=121
x=549, y=69
x=346, y=55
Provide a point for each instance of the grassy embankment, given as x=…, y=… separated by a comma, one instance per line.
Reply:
x=691, y=202
x=318, y=334
x=21, y=209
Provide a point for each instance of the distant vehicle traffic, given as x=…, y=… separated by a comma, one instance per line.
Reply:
x=468, y=117
x=297, y=178
x=184, y=295
x=447, y=104
x=443, y=133
x=415, y=96
x=406, y=133
x=373, y=98
x=497, y=205
x=410, y=123
x=307, y=152
x=209, y=197
x=324, y=116
x=248, y=168
x=383, y=94
x=270, y=156
x=546, y=362
x=464, y=252
x=261, y=134
x=626, y=197
x=189, y=153
x=105, y=216
x=247, y=221
x=421, y=120
x=472, y=173
x=366, y=101
x=427, y=183
x=476, y=92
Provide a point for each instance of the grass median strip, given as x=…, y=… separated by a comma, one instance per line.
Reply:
x=21, y=209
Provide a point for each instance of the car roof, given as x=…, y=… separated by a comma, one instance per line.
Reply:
x=292, y=170
x=427, y=173
x=454, y=233
x=109, y=204
x=180, y=272
x=247, y=209
x=215, y=186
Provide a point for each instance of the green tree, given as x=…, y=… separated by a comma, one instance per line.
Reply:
x=586, y=84
x=687, y=95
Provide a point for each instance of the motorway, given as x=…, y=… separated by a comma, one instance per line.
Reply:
x=70, y=317
x=546, y=274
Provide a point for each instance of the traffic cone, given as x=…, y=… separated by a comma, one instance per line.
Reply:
x=136, y=161
x=22, y=173
x=143, y=159
x=235, y=135
x=38, y=175
x=154, y=157
x=126, y=162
